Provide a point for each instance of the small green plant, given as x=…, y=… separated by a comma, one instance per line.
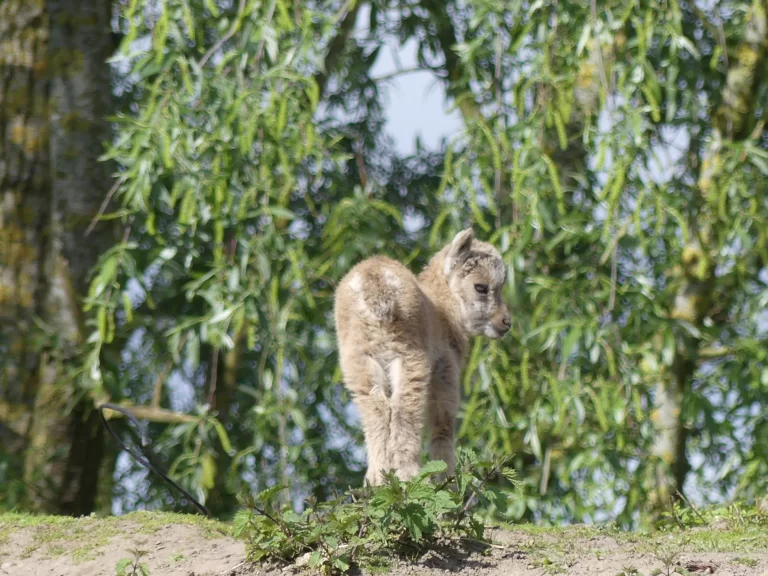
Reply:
x=548, y=565
x=364, y=526
x=132, y=566
x=671, y=566
x=746, y=561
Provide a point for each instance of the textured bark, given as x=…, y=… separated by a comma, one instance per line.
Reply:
x=670, y=464
x=24, y=201
x=54, y=97
x=24, y=185
x=692, y=303
x=222, y=500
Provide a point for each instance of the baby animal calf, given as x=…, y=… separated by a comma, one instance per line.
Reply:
x=403, y=344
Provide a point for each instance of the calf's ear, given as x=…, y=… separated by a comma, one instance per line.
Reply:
x=459, y=250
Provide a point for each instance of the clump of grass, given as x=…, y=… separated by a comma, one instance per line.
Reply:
x=737, y=515
x=365, y=526
x=746, y=561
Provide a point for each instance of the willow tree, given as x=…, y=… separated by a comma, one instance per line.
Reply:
x=615, y=153
x=54, y=99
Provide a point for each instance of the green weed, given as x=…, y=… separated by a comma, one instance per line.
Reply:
x=132, y=566
x=364, y=526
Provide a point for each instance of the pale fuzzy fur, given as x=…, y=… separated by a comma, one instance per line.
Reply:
x=403, y=344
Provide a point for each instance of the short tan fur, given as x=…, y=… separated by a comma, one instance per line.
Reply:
x=403, y=343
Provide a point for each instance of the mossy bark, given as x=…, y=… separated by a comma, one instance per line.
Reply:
x=54, y=97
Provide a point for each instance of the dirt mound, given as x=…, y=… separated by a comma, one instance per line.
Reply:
x=178, y=545
x=173, y=544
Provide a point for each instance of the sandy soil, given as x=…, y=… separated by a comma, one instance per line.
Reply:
x=193, y=547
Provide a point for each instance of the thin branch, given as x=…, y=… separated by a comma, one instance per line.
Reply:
x=721, y=39
x=227, y=36
x=104, y=205
x=152, y=414
x=614, y=274
x=160, y=381
x=690, y=505
x=214, y=377
x=360, y=161
x=497, y=175
x=401, y=72
x=715, y=352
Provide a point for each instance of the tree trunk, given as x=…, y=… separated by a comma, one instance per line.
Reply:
x=222, y=499
x=670, y=464
x=54, y=97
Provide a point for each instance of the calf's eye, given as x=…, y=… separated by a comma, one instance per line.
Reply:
x=481, y=288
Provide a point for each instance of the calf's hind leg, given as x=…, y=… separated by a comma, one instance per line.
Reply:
x=375, y=413
x=408, y=377
x=367, y=381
